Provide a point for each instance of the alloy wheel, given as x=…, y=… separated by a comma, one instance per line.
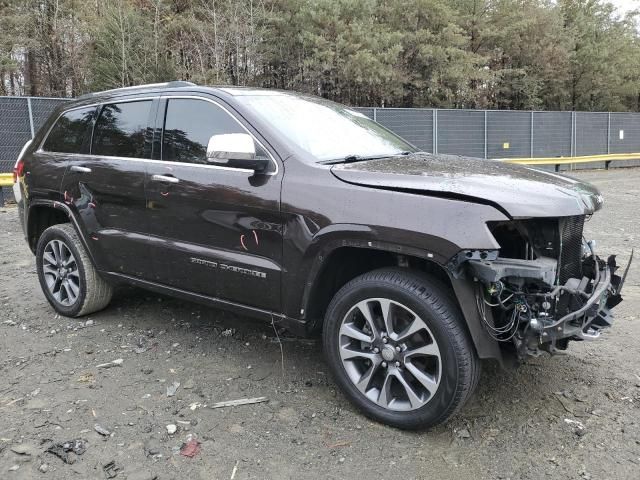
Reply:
x=389, y=354
x=61, y=272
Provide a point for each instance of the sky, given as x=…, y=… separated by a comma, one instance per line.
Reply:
x=625, y=5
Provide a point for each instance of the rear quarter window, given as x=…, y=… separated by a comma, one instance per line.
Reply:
x=70, y=131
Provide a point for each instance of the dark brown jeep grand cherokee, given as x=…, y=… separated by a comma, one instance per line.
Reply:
x=282, y=206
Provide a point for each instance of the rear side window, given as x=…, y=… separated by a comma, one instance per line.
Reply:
x=70, y=131
x=189, y=123
x=121, y=130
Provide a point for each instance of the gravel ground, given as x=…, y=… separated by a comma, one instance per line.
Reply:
x=523, y=423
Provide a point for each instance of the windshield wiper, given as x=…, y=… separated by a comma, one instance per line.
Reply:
x=359, y=158
x=347, y=159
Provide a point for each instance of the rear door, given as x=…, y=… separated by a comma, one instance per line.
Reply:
x=219, y=228
x=106, y=186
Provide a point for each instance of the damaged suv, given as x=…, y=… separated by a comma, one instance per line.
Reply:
x=299, y=211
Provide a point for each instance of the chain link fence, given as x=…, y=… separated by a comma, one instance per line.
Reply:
x=515, y=134
x=20, y=118
x=476, y=133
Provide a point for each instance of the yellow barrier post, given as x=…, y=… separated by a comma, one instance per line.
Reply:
x=6, y=180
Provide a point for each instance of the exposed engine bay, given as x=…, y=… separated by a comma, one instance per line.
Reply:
x=546, y=285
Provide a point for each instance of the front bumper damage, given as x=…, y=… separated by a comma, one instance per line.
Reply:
x=522, y=303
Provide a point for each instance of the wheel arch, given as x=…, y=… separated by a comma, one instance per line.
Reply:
x=43, y=214
x=343, y=263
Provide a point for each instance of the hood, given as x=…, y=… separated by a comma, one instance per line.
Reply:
x=520, y=191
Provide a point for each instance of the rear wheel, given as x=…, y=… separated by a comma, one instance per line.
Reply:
x=398, y=349
x=67, y=277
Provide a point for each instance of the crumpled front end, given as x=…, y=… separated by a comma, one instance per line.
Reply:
x=544, y=287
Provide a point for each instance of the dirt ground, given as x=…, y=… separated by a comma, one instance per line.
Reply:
x=520, y=424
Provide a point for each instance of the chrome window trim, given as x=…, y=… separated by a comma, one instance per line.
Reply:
x=150, y=160
x=125, y=100
x=160, y=97
x=206, y=99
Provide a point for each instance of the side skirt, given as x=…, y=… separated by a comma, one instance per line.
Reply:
x=297, y=327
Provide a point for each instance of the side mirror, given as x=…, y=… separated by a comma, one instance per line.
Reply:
x=236, y=150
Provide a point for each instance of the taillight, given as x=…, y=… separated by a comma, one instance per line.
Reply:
x=18, y=168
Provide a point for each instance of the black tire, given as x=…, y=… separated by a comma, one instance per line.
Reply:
x=94, y=292
x=430, y=300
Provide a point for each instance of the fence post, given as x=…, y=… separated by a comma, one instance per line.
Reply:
x=608, y=134
x=375, y=114
x=435, y=131
x=30, y=117
x=485, y=134
x=573, y=134
x=531, y=137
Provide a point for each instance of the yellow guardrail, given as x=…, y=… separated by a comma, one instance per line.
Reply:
x=568, y=160
x=6, y=179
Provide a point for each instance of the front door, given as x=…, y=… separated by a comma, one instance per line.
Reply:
x=219, y=229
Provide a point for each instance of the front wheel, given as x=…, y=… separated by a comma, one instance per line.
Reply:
x=68, y=279
x=398, y=348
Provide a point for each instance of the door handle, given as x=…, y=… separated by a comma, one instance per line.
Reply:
x=79, y=169
x=164, y=179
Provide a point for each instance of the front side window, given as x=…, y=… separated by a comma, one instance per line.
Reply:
x=326, y=130
x=121, y=130
x=188, y=126
x=70, y=131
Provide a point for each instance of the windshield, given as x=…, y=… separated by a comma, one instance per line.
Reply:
x=326, y=130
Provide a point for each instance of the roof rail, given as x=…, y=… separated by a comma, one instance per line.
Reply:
x=173, y=84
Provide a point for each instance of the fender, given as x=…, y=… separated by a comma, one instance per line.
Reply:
x=432, y=249
x=318, y=210
x=307, y=264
